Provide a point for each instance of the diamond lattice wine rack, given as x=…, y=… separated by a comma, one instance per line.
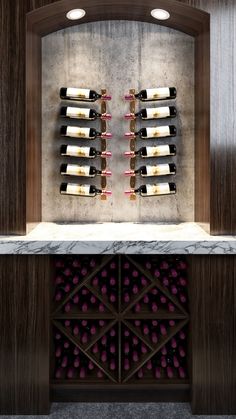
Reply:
x=120, y=320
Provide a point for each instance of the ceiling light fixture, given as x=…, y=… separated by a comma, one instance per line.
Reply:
x=160, y=14
x=75, y=14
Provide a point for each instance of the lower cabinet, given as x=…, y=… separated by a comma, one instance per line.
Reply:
x=117, y=328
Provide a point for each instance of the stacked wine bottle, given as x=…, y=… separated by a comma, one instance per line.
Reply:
x=82, y=133
x=120, y=319
x=156, y=132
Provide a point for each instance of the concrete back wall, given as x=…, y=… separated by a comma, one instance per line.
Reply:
x=118, y=55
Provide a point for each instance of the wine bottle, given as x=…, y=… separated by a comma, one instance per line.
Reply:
x=156, y=151
x=82, y=152
x=155, y=132
x=83, y=113
x=82, y=190
x=83, y=95
x=153, y=113
x=88, y=171
x=154, y=190
x=159, y=93
x=83, y=133
x=157, y=170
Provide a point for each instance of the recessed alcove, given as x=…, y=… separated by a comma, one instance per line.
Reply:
x=192, y=202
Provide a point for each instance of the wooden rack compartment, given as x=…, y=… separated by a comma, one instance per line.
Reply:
x=115, y=339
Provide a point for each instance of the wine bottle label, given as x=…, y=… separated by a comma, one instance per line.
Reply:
x=158, y=151
x=78, y=132
x=77, y=93
x=155, y=113
x=159, y=93
x=159, y=189
x=158, y=170
x=74, y=189
x=77, y=151
x=74, y=170
x=79, y=113
x=158, y=132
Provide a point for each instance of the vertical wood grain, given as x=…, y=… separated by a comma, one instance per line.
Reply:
x=24, y=343
x=213, y=327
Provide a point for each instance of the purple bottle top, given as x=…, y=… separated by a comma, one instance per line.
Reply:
x=173, y=273
x=154, y=291
x=126, y=332
x=145, y=330
x=59, y=373
x=93, y=299
x=173, y=343
x=149, y=365
x=163, y=362
x=126, y=364
x=126, y=281
x=171, y=307
x=84, y=323
x=182, y=265
x=75, y=280
x=137, y=308
x=170, y=373
x=113, y=265
x=104, y=273
x=57, y=336
x=154, y=337
x=171, y=323
x=104, y=356
x=182, y=352
x=100, y=374
x=101, y=308
x=112, y=348
x=140, y=373
x=174, y=290
x=126, y=265
x=84, y=338
x=82, y=373
x=70, y=373
x=148, y=265
x=126, y=348
x=76, y=362
x=154, y=307
x=104, y=290
x=92, y=263
x=164, y=265
x=76, y=330
x=135, y=340
x=84, y=307
x=154, y=323
x=175, y=361
x=95, y=281
x=58, y=352
x=67, y=307
x=157, y=372
x=135, y=289
x=58, y=296
x=91, y=366
x=101, y=323
x=157, y=273
x=182, y=335
x=182, y=373
x=112, y=365
x=67, y=272
x=66, y=344
x=135, y=356
x=164, y=350
x=104, y=340
x=76, y=263
x=112, y=332
x=135, y=274
x=84, y=271
x=84, y=291
x=143, y=348
x=76, y=351
x=59, y=280
x=112, y=298
x=144, y=281
x=112, y=282
x=182, y=298
x=76, y=299
x=165, y=281
x=182, y=282
x=146, y=299
x=93, y=330
x=126, y=297
x=163, y=299
x=163, y=330
x=95, y=348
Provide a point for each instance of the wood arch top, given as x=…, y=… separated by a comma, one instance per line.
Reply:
x=52, y=17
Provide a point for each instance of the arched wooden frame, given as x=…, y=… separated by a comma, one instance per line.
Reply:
x=184, y=18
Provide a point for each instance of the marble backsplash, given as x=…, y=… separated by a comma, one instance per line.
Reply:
x=118, y=55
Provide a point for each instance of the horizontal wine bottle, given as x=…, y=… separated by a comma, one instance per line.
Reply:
x=154, y=113
x=83, y=95
x=156, y=151
x=157, y=170
x=84, y=152
x=155, y=132
x=82, y=190
x=160, y=93
x=85, y=133
x=88, y=171
x=83, y=113
x=154, y=190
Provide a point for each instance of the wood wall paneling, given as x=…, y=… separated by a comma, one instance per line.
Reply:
x=213, y=328
x=24, y=343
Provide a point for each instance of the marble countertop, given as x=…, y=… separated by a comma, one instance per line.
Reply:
x=115, y=238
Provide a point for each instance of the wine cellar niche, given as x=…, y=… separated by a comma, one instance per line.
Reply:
x=120, y=321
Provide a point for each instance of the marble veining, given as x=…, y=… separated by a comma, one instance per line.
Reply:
x=118, y=238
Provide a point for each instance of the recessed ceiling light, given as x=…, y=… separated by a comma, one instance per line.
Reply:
x=160, y=14
x=75, y=14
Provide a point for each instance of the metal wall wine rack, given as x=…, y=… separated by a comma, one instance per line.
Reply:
x=81, y=279
x=103, y=144
x=132, y=144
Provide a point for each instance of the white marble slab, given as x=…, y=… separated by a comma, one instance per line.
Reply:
x=113, y=238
